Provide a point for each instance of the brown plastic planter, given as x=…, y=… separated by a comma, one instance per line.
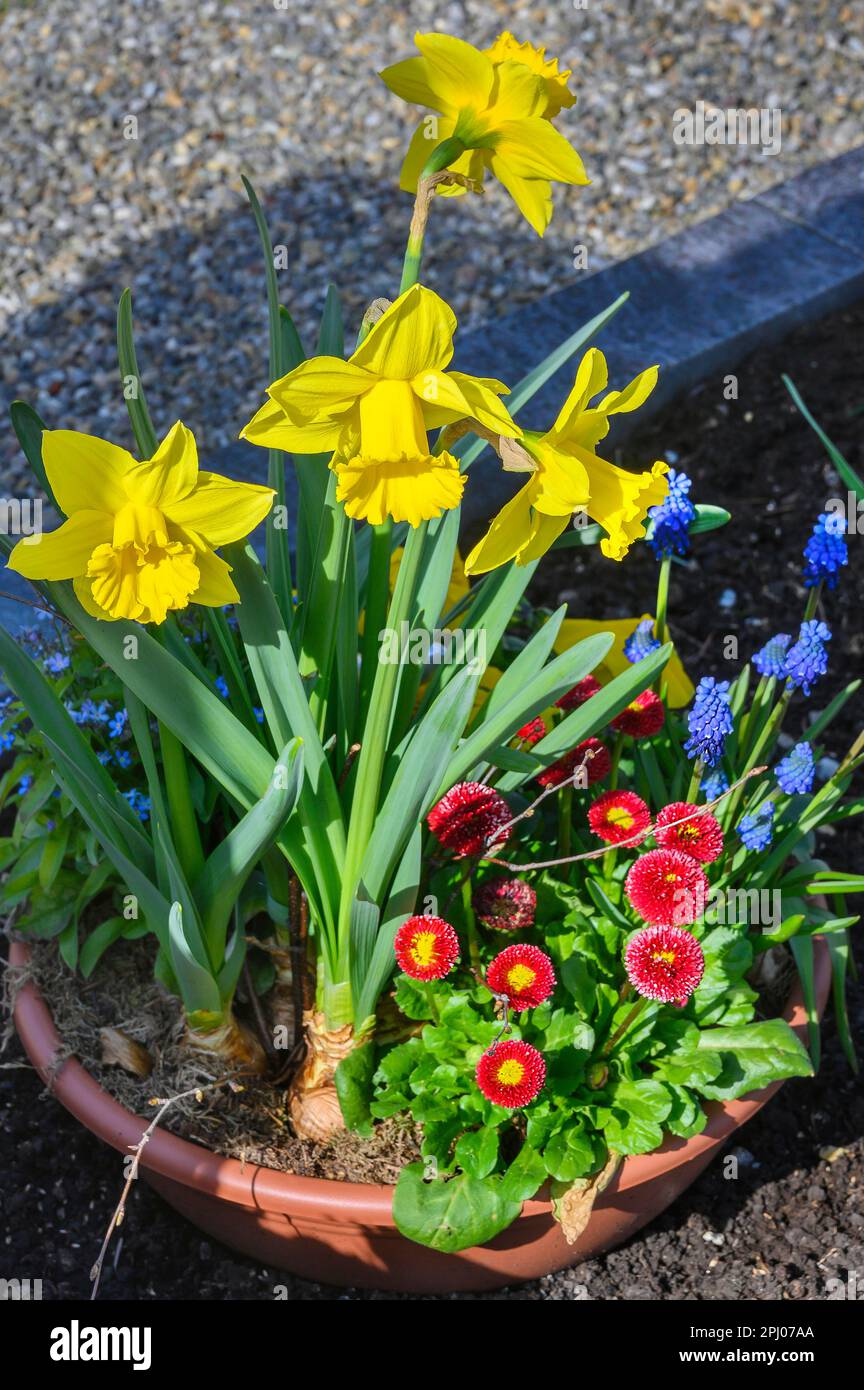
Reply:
x=343, y=1233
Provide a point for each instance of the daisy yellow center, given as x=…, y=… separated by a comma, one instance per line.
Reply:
x=619, y=815
x=423, y=948
x=667, y=957
x=520, y=977
x=671, y=877
x=688, y=832
x=511, y=1072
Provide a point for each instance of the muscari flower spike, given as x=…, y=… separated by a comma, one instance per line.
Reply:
x=667, y=887
x=696, y=833
x=470, y=818
x=807, y=660
x=771, y=659
x=825, y=552
x=714, y=785
x=664, y=963
x=797, y=771
x=641, y=642
x=505, y=904
x=757, y=828
x=511, y=1073
x=671, y=519
x=619, y=815
x=709, y=721
x=426, y=948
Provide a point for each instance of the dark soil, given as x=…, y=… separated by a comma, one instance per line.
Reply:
x=792, y=1219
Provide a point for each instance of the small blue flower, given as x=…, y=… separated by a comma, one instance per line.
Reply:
x=672, y=518
x=714, y=785
x=771, y=659
x=25, y=784
x=104, y=758
x=7, y=741
x=797, y=771
x=123, y=758
x=807, y=660
x=709, y=721
x=140, y=804
x=641, y=641
x=222, y=686
x=118, y=724
x=825, y=552
x=56, y=662
x=757, y=829
x=258, y=713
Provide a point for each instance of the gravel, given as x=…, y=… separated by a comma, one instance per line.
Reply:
x=290, y=96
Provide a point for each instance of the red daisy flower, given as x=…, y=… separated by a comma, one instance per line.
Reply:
x=582, y=691
x=617, y=816
x=511, y=1073
x=666, y=886
x=467, y=818
x=643, y=717
x=523, y=974
x=696, y=833
x=664, y=963
x=596, y=765
x=426, y=948
x=507, y=904
x=532, y=732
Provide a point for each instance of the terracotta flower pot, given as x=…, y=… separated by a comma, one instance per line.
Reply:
x=343, y=1233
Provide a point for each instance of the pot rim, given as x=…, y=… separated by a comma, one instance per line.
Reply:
x=254, y=1185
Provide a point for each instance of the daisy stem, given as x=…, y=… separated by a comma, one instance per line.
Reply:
x=565, y=826
x=443, y=155
x=471, y=924
x=622, y=1028
x=432, y=1001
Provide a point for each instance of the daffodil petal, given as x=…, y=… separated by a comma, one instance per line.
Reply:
x=221, y=510
x=518, y=93
x=458, y=73
x=562, y=484
x=216, y=587
x=533, y=197
x=319, y=389
x=592, y=375
x=620, y=500
x=631, y=396
x=532, y=148
x=84, y=593
x=62, y=554
x=482, y=394
x=506, y=535
x=545, y=530
x=169, y=474
x=270, y=428
x=414, y=335
x=85, y=472
x=410, y=81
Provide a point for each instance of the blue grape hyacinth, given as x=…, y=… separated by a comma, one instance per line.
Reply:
x=714, y=785
x=797, y=771
x=671, y=518
x=709, y=721
x=825, y=552
x=757, y=829
x=641, y=642
x=771, y=659
x=807, y=660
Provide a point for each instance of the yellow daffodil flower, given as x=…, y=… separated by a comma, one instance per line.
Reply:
x=568, y=477
x=499, y=103
x=374, y=411
x=139, y=538
x=679, y=687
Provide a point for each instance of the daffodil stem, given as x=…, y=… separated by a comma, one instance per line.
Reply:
x=441, y=157
x=377, y=589
x=661, y=627
x=370, y=763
